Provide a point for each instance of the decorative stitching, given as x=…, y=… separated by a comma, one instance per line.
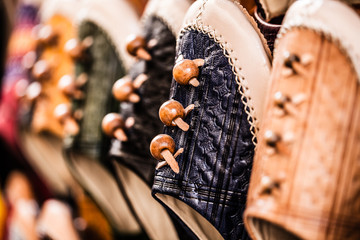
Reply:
x=343, y=47
x=240, y=79
x=302, y=15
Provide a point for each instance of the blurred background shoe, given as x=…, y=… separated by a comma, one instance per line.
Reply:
x=100, y=55
x=7, y=19
x=14, y=81
x=140, y=95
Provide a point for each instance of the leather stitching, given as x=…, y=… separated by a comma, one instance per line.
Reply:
x=236, y=69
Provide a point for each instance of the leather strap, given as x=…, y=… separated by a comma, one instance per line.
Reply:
x=269, y=30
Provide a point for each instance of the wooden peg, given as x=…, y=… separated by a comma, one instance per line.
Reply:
x=186, y=71
x=162, y=147
x=113, y=125
x=172, y=112
x=41, y=70
x=62, y=112
x=123, y=90
x=136, y=46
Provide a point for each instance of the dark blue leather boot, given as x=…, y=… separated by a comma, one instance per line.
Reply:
x=217, y=94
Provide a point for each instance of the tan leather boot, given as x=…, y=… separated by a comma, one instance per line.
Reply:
x=305, y=179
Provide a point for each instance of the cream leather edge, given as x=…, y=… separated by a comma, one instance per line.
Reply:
x=150, y=212
x=275, y=8
x=334, y=19
x=194, y=220
x=99, y=183
x=53, y=170
x=66, y=8
x=171, y=12
x=32, y=2
x=117, y=18
x=236, y=32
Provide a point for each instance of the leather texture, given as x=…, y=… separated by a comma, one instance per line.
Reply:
x=87, y=152
x=269, y=30
x=103, y=70
x=305, y=184
x=135, y=152
x=237, y=31
x=217, y=159
x=275, y=8
x=328, y=17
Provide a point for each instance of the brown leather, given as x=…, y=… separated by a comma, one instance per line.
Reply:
x=61, y=64
x=3, y=214
x=269, y=30
x=138, y=5
x=97, y=227
x=249, y=5
x=306, y=183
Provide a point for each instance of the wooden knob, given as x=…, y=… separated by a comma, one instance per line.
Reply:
x=29, y=59
x=290, y=58
x=136, y=46
x=267, y=185
x=171, y=113
x=68, y=85
x=46, y=35
x=73, y=48
x=186, y=71
x=62, y=113
x=113, y=125
x=280, y=99
x=123, y=90
x=271, y=138
x=33, y=91
x=76, y=49
x=284, y=102
x=41, y=70
x=162, y=147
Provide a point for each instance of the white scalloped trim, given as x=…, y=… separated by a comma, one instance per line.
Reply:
x=333, y=19
x=240, y=71
x=275, y=8
x=171, y=12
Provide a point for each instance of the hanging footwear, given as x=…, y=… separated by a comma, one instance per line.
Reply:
x=304, y=183
x=100, y=55
x=140, y=95
x=219, y=82
x=40, y=132
x=16, y=77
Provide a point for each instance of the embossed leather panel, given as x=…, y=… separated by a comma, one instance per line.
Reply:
x=103, y=70
x=217, y=159
x=135, y=152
